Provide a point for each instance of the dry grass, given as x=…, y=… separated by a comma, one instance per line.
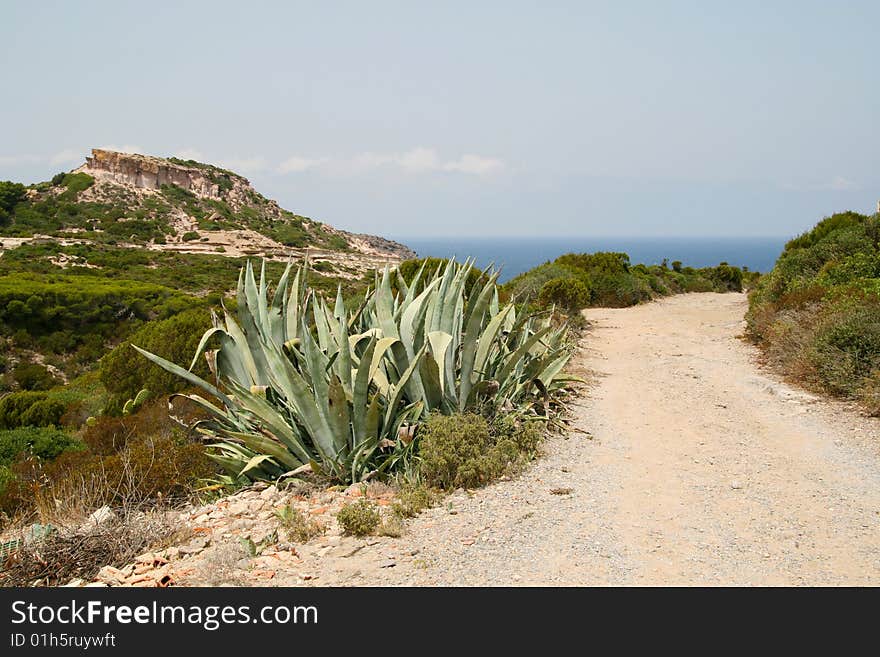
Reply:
x=219, y=566
x=80, y=552
x=296, y=526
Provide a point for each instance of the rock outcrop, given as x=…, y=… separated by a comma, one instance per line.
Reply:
x=148, y=172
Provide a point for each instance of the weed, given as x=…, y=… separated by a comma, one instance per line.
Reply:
x=412, y=499
x=360, y=518
x=296, y=526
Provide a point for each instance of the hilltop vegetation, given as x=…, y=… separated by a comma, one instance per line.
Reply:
x=107, y=213
x=817, y=313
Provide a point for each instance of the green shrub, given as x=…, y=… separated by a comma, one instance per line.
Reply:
x=359, y=518
x=726, y=278
x=29, y=409
x=75, y=183
x=42, y=442
x=124, y=372
x=122, y=462
x=618, y=290
x=413, y=498
x=32, y=376
x=817, y=313
x=190, y=236
x=465, y=451
x=290, y=234
x=846, y=347
x=569, y=294
x=43, y=413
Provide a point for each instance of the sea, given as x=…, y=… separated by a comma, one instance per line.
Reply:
x=513, y=256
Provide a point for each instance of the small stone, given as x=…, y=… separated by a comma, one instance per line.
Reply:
x=735, y=485
x=110, y=575
x=390, y=563
x=269, y=493
x=100, y=517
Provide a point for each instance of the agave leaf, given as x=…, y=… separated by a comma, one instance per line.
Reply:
x=207, y=335
x=253, y=462
x=487, y=339
x=470, y=339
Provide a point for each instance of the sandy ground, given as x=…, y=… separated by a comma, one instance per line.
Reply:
x=701, y=469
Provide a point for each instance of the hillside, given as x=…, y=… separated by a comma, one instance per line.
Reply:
x=172, y=205
x=128, y=243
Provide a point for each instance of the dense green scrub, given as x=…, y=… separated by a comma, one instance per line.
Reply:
x=577, y=280
x=817, y=313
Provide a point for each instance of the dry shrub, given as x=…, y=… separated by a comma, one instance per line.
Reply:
x=789, y=341
x=869, y=394
x=219, y=565
x=81, y=552
x=130, y=461
x=71, y=486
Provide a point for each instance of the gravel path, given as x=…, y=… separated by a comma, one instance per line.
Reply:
x=701, y=469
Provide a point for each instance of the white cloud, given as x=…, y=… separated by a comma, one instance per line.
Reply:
x=474, y=164
x=365, y=161
x=841, y=184
x=296, y=164
x=15, y=160
x=836, y=184
x=418, y=160
x=66, y=156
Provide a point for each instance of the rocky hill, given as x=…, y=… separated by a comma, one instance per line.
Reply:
x=168, y=204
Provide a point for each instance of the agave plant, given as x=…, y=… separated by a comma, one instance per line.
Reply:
x=300, y=383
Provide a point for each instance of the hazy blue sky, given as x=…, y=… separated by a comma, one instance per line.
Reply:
x=471, y=118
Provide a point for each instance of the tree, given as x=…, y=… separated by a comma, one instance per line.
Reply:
x=10, y=194
x=125, y=373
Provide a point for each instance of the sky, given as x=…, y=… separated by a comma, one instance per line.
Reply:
x=468, y=118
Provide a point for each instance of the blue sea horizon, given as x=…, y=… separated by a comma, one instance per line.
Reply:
x=514, y=255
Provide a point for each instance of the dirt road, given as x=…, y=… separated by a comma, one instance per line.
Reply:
x=702, y=469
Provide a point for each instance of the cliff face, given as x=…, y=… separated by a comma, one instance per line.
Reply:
x=149, y=172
